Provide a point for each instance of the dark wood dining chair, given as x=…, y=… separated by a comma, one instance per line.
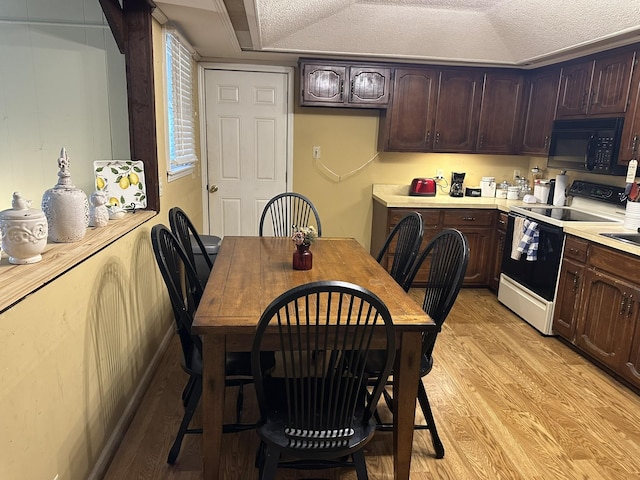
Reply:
x=314, y=409
x=446, y=257
x=284, y=211
x=185, y=291
x=403, y=242
x=194, y=243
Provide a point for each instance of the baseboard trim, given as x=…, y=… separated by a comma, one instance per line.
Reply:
x=108, y=452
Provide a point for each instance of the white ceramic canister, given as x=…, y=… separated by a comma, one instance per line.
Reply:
x=541, y=190
x=488, y=187
x=513, y=193
x=24, y=231
x=66, y=207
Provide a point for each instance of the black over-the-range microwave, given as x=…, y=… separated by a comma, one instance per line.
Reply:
x=589, y=145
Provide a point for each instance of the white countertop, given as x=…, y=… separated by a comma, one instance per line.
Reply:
x=397, y=196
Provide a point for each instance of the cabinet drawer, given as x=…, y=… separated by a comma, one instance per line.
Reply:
x=466, y=217
x=576, y=249
x=429, y=216
x=623, y=265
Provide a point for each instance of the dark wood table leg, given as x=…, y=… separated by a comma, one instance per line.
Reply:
x=213, y=389
x=405, y=389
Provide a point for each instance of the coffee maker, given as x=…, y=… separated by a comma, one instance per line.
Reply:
x=456, y=184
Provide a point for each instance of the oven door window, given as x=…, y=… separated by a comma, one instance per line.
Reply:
x=539, y=276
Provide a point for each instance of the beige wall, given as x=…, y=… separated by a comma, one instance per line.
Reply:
x=348, y=140
x=74, y=351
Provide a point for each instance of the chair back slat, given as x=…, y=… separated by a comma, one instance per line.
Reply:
x=286, y=210
x=184, y=230
x=183, y=287
x=325, y=331
x=405, y=239
x=446, y=258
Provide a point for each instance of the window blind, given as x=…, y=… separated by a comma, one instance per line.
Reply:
x=181, y=121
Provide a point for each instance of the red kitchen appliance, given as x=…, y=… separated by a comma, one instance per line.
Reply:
x=424, y=187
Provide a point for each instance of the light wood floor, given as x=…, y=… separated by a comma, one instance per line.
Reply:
x=509, y=404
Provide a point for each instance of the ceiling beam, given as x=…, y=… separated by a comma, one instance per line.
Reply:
x=113, y=13
x=131, y=27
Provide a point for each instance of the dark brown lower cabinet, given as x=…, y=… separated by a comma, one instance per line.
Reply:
x=476, y=224
x=598, y=309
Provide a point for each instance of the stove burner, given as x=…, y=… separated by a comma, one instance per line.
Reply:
x=566, y=214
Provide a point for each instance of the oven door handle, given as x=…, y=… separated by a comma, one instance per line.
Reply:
x=589, y=159
x=541, y=226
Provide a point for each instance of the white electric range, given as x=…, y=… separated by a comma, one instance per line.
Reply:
x=528, y=286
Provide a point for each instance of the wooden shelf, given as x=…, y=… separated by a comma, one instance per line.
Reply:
x=18, y=281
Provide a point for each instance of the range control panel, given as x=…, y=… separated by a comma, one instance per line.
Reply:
x=596, y=191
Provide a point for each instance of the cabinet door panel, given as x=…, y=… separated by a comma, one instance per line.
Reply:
x=458, y=111
x=610, y=84
x=631, y=368
x=630, y=141
x=575, y=84
x=323, y=83
x=541, y=97
x=500, y=113
x=607, y=319
x=409, y=121
x=369, y=85
x=565, y=313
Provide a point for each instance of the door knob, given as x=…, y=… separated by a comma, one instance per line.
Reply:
x=213, y=189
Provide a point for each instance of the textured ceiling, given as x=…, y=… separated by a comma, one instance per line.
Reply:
x=489, y=32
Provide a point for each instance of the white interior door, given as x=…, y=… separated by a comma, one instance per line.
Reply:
x=248, y=148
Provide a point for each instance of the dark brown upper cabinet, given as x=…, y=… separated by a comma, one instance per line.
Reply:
x=407, y=125
x=500, y=112
x=596, y=87
x=329, y=84
x=630, y=141
x=458, y=110
x=540, y=102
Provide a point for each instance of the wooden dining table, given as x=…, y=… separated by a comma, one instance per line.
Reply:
x=249, y=272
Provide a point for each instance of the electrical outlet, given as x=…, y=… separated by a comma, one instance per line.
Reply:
x=516, y=174
x=439, y=174
x=316, y=152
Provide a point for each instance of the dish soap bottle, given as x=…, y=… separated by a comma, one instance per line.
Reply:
x=65, y=206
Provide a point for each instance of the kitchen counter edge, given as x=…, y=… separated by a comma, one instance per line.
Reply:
x=391, y=199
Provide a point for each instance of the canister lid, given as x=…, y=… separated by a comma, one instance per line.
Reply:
x=21, y=209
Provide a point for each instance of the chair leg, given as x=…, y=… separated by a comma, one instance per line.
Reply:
x=187, y=390
x=431, y=424
x=270, y=466
x=239, y=403
x=193, y=399
x=360, y=464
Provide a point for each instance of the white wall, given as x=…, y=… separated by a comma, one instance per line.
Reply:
x=62, y=83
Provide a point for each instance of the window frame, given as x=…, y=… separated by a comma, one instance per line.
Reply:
x=175, y=46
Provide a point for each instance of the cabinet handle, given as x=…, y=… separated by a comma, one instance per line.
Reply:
x=634, y=145
x=623, y=303
x=629, y=305
x=584, y=99
x=428, y=136
x=469, y=219
x=482, y=140
x=573, y=250
x=341, y=90
x=593, y=99
x=546, y=142
x=501, y=222
x=576, y=280
x=437, y=138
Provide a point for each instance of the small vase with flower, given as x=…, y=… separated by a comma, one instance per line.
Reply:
x=303, y=237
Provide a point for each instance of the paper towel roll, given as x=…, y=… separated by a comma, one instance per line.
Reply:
x=559, y=193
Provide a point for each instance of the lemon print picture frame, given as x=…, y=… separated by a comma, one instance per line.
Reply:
x=123, y=182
